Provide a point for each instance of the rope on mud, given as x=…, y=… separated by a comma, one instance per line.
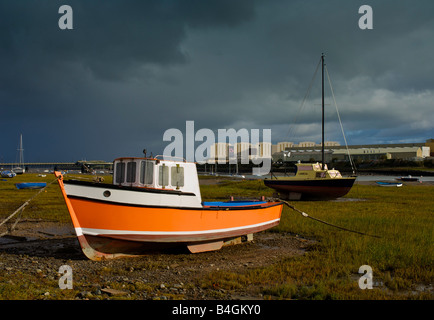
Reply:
x=20, y=210
x=304, y=214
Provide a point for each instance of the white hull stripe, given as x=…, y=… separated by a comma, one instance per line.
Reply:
x=96, y=232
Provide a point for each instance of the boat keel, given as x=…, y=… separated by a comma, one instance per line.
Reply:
x=101, y=248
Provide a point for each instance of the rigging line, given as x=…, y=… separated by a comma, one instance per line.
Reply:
x=304, y=214
x=340, y=122
x=21, y=209
x=304, y=100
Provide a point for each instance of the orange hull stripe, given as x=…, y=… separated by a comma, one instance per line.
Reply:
x=109, y=216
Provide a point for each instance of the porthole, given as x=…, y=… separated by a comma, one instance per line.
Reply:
x=107, y=193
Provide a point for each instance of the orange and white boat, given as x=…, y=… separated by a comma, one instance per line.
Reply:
x=153, y=204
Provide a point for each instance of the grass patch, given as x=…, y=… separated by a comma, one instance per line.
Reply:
x=49, y=205
x=235, y=188
x=402, y=259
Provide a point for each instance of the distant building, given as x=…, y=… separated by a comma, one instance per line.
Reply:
x=264, y=150
x=281, y=146
x=377, y=152
x=304, y=151
x=430, y=144
x=306, y=144
x=223, y=152
x=331, y=144
x=310, y=151
x=219, y=151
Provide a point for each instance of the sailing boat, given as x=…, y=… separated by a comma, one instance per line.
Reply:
x=313, y=181
x=20, y=169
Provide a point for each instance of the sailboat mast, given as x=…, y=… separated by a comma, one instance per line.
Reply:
x=322, y=104
x=21, y=151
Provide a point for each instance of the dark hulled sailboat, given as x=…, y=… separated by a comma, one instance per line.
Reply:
x=313, y=181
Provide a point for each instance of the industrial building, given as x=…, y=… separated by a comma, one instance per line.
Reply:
x=308, y=151
x=333, y=151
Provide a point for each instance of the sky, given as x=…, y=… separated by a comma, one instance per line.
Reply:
x=130, y=70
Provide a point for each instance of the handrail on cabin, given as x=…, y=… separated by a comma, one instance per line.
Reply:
x=160, y=155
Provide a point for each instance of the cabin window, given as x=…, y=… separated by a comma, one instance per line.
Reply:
x=147, y=172
x=120, y=172
x=131, y=172
x=177, y=175
x=163, y=175
x=305, y=168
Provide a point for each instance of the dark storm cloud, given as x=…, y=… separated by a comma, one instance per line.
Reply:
x=48, y=73
x=129, y=70
x=111, y=38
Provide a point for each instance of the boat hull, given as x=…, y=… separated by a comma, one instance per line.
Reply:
x=163, y=224
x=408, y=179
x=108, y=229
x=388, y=184
x=31, y=185
x=7, y=174
x=315, y=189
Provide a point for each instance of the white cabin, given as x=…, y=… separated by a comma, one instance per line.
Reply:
x=315, y=171
x=157, y=174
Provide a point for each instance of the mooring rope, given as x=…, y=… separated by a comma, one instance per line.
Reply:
x=304, y=214
x=21, y=209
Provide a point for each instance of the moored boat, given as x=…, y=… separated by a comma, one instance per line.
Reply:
x=388, y=184
x=154, y=204
x=31, y=185
x=20, y=169
x=408, y=178
x=7, y=174
x=313, y=181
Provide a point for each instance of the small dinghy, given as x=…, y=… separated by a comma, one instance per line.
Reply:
x=31, y=185
x=389, y=184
